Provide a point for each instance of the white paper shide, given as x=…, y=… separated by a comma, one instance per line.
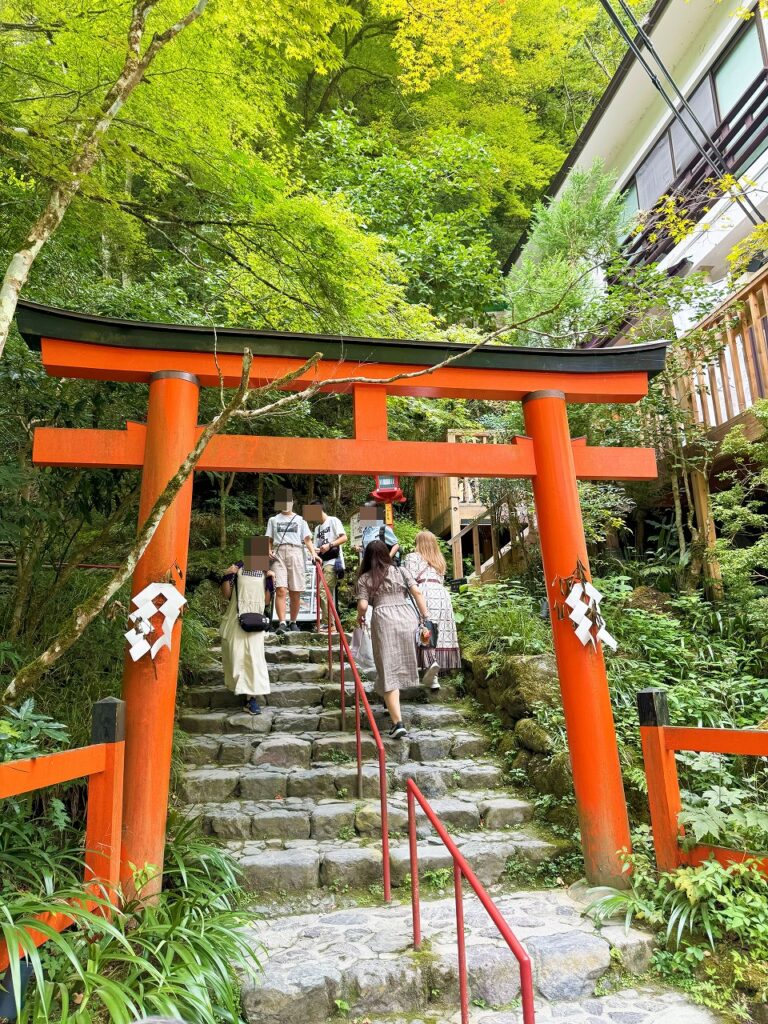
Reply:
x=143, y=638
x=583, y=600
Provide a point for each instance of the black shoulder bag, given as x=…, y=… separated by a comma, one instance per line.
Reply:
x=251, y=622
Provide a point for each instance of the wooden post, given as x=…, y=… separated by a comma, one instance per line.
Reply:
x=712, y=571
x=476, y=551
x=592, y=742
x=758, y=329
x=105, y=797
x=149, y=687
x=661, y=773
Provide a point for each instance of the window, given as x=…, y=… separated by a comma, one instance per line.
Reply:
x=629, y=208
x=738, y=70
x=654, y=174
x=702, y=102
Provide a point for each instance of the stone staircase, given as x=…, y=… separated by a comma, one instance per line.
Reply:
x=281, y=790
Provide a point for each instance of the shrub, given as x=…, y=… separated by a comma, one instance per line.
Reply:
x=714, y=920
x=500, y=619
x=176, y=957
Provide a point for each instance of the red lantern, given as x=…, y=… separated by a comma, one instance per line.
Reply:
x=387, y=490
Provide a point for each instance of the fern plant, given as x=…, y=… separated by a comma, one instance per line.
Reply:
x=711, y=901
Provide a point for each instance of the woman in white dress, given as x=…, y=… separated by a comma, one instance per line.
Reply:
x=427, y=566
x=242, y=654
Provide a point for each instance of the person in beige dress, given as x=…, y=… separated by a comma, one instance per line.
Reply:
x=242, y=654
x=394, y=622
x=427, y=565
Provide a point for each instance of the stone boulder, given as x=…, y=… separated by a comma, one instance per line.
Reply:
x=567, y=965
x=533, y=736
x=551, y=774
x=535, y=680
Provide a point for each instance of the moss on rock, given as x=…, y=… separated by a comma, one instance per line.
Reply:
x=533, y=736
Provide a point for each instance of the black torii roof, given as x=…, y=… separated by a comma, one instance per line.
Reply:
x=36, y=321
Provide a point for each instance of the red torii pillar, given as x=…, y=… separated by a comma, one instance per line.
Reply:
x=149, y=687
x=594, y=752
x=548, y=456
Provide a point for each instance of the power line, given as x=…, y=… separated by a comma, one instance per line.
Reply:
x=717, y=163
x=646, y=39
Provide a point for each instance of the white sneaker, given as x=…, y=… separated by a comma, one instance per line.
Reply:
x=430, y=677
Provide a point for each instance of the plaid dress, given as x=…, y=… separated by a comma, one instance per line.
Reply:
x=432, y=586
x=393, y=630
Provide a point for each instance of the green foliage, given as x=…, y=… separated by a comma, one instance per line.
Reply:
x=605, y=507
x=500, y=619
x=739, y=509
x=714, y=921
x=431, y=204
x=26, y=733
x=176, y=957
x=438, y=879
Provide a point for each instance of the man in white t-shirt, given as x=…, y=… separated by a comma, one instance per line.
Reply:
x=288, y=535
x=329, y=539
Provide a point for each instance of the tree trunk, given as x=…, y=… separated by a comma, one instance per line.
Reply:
x=225, y=487
x=27, y=561
x=86, y=155
x=679, y=526
x=706, y=528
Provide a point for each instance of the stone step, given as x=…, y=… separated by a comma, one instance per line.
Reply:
x=297, y=818
x=299, y=747
x=327, y=780
x=304, y=638
x=205, y=729
x=212, y=676
x=364, y=957
x=296, y=865
x=206, y=709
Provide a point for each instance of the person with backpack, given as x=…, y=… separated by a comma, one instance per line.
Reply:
x=378, y=530
x=288, y=535
x=329, y=540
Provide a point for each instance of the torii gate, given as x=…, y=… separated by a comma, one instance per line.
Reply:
x=177, y=361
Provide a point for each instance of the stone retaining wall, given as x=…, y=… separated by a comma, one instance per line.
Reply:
x=516, y=690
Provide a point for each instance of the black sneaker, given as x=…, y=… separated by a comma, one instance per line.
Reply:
x=398, y=731
x=294, y=627
x=282, y=629
x=252, y=706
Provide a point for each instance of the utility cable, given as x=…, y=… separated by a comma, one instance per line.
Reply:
x=638, y=54
x=646, y=40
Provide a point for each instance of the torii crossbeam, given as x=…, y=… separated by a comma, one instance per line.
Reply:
x=176, y=361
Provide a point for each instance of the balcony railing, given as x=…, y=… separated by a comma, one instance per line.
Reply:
x=729, y=385
x=739, y=138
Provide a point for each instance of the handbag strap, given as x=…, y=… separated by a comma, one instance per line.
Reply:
x=409, y=594
x=285, y=531
x=237, y=595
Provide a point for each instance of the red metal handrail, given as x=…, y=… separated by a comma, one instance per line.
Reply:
x=102, y=764
x=659, y=742
x=461, y=869
x=360, y=695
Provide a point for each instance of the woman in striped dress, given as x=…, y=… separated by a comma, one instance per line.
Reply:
x=427, y=566
x=394, y=621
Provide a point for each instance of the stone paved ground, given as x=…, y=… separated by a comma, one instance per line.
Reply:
x=281, y=790
x=364, y=957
